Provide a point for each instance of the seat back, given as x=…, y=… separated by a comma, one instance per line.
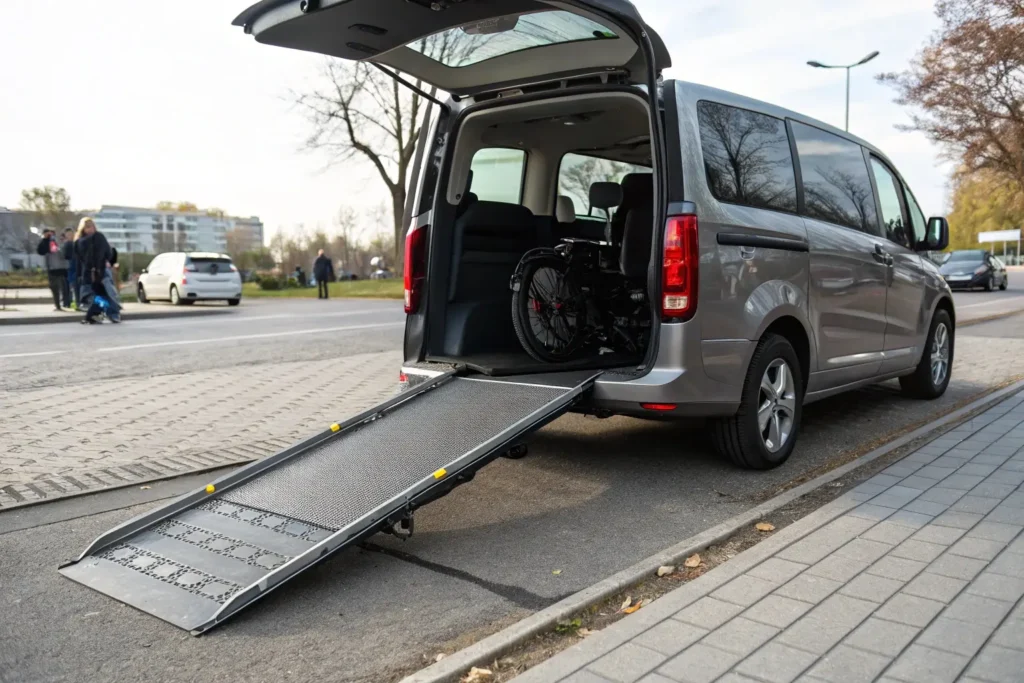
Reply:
x=637, y=191
x=635, y=256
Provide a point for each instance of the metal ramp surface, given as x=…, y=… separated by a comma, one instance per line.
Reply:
x=205, y=556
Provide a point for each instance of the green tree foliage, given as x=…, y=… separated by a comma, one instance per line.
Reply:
x=50, y=206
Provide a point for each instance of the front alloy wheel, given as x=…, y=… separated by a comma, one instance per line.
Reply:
x=940, y=354
x=931, y=376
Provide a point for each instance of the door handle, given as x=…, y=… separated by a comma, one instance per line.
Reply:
x=881, y=256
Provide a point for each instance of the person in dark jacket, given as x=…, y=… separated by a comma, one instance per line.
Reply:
x=94, y=257
x=323, y=271
x=67, y=250
x=56, y=268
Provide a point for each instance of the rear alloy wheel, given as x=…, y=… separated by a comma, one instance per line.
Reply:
x=931, y=377
x=1005, y=283
x=234, y=302
x=763, y=432
x=175, y=298
x=141, y=294
x=989, y=282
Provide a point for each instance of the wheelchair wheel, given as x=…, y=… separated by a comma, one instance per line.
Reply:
x=549, y=310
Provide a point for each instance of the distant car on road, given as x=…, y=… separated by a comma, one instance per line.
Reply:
x=184, y=278
x=973, y=268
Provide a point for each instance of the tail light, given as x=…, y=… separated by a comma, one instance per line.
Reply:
x=233, y=268
x=679, y=268
x=184, y=274
x=415, y=266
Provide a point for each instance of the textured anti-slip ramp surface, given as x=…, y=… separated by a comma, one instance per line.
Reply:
x=335, y=484
x=187, y=567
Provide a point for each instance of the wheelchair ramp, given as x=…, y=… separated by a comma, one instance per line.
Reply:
x=202, y=558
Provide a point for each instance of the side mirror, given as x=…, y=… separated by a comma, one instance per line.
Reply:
x=145, y=270
x=936, y=236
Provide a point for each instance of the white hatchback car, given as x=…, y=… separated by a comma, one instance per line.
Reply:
x=183, y=278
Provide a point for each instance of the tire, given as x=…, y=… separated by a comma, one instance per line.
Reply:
x=548, y=305
x=174, y=297
x=923, y=383
x=1005, y=284
x=234, y=302
x=141, y=294
x=741, y=438
x=988, y=283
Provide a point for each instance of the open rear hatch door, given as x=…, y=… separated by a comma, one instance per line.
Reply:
x=466, y=47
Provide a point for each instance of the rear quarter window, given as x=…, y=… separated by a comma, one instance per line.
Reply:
x=747, y=157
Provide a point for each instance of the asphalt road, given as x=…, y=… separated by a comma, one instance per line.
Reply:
x=592, y=498
x=257, y=332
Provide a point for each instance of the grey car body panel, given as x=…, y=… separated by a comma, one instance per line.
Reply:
x=864, y=321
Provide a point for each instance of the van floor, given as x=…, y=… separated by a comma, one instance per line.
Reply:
x=507, y=363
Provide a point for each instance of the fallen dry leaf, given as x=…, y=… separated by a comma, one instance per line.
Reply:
x=764, y=526
x=626, y=603
x=556, y=572
x=584, y=632
x=145, y=488
x=476, y=675
x=665, y=570
x=439, y=657
x=633, y=608
x=692, y=561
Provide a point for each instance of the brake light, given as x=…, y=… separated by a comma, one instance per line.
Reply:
x=233, y=269
x=415, y=266
x=679, y=268
x=660, y=407
x=184, y=275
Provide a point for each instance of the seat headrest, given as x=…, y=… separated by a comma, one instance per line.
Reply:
x=637, y=187
x=565, y=210
x=605, y=195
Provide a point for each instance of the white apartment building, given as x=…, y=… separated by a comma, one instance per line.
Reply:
x=142, y=230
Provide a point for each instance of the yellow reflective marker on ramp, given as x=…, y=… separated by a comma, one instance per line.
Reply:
x=440, y=473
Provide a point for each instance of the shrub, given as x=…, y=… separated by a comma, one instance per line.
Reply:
x=270, y=283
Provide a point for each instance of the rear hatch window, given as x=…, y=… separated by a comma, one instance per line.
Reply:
x=212, y=266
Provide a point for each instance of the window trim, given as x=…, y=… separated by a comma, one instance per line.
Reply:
x=900, y=188
x=522, y=175
x=792, y=160
x=867, y=167
x=924, y=216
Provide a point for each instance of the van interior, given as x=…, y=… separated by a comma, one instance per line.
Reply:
x=524, y=176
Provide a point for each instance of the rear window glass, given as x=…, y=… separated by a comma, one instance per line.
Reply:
x=212, y=265
x=578, y=172
x=498, y=175
x=837, y=187
x=968, y=256
x=747, y=157
x=474, y=43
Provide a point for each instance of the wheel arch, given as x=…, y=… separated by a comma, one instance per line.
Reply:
x=795, y=330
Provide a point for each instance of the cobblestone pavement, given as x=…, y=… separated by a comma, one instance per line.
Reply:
x=916, y=575
x=61, y=440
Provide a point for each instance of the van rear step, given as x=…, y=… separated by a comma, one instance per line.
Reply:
x=202, y=558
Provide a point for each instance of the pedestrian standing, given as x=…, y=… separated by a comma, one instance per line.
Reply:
x=67, y=250
x=323, y=271
x=94, y=260
x=56, y=269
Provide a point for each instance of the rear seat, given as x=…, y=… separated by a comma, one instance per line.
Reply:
x=490, y=239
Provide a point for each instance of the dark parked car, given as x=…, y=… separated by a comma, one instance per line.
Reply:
x=972, y=268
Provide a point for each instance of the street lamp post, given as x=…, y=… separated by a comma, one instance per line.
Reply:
x=819, y=65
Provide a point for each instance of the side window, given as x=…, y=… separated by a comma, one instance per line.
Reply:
x=889, y=199
x=498, y=175
x=917, y=220
x=578, y=172
x=154, y=266
x=837, y=187
x=747, y=157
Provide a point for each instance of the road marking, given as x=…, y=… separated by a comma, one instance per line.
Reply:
x=243, y=337
x=990, y=303
x=35, y=353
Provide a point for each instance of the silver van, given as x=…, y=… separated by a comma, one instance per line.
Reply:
x=711, y=255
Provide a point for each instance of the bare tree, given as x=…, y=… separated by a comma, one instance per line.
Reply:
x=967, y=86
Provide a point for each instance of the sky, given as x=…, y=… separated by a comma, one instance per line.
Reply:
x=129, y=102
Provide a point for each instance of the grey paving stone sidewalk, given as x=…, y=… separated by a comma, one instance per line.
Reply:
x=916, y=575
x=57, y=441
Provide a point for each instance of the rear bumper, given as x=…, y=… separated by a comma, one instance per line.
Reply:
x=199, y=293
x=678, y=378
